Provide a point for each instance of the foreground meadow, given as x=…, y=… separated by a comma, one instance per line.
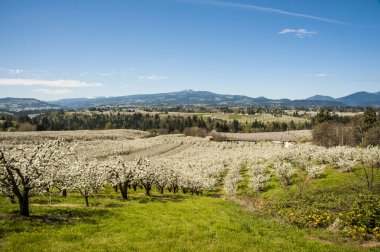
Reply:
x=176, y=193
x=159, y=223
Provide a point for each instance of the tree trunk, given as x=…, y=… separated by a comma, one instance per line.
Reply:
x=162, y=190
x=115, y=188
x=24, y=205
x=12, y=199
x=134, y=188
x=86, y=198
x=123, y=190
x=64, y=192
x=147, y=189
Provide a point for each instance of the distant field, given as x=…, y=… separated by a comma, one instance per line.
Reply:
x=294, y=136
x=313, y=113
x=22, y=137
x=265, y=118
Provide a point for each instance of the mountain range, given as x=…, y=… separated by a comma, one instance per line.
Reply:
x=190, y=97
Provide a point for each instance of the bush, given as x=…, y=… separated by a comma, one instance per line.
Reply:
x=363, y=219
x=27, y=127
x=325, y=134
x=314, y=218
x=195, y=131
x=373, y=136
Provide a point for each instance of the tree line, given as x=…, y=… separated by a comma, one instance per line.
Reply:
x=164, y=124
x=359, y=130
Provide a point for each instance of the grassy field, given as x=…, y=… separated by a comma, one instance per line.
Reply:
x=159, y=223
x=179, y=222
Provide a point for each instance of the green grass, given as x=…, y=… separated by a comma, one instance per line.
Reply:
x=235, y=116
x=182, y=222
x=334, y=192
x=243, y=186
x=158, y=223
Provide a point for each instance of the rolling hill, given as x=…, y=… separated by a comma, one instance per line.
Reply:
x=25, y=104
x=320, y=98
x=189, y=97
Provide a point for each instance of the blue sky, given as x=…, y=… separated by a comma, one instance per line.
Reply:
x=275, y=48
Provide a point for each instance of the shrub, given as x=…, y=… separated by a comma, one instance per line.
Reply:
x=324, y=134
x=195, y=131
x=314, y=218
x=363, y=219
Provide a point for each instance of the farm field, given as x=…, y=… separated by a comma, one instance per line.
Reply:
x=265, y=118
x=189, y=194
x=292, y=135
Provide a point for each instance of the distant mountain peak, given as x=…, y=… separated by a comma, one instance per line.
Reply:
x=321, y=98
x=262, y=98
x=362, y=99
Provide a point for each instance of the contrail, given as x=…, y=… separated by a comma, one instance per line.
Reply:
x=264, y=9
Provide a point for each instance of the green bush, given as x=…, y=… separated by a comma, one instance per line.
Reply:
x=312, y=219
x=362, y=221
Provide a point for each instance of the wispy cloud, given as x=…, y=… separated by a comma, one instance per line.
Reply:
x=265, y=9
x=15, y=71
x=48, y=83
x=151, y=78
x=54, y=91
x=321, y=75
x=109, y=73
x=300, y=33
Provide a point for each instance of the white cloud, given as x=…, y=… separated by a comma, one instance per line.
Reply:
x=15, y=71
x=151, y=78
x=48, y=83
x=301, y=33
x=54, y=91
